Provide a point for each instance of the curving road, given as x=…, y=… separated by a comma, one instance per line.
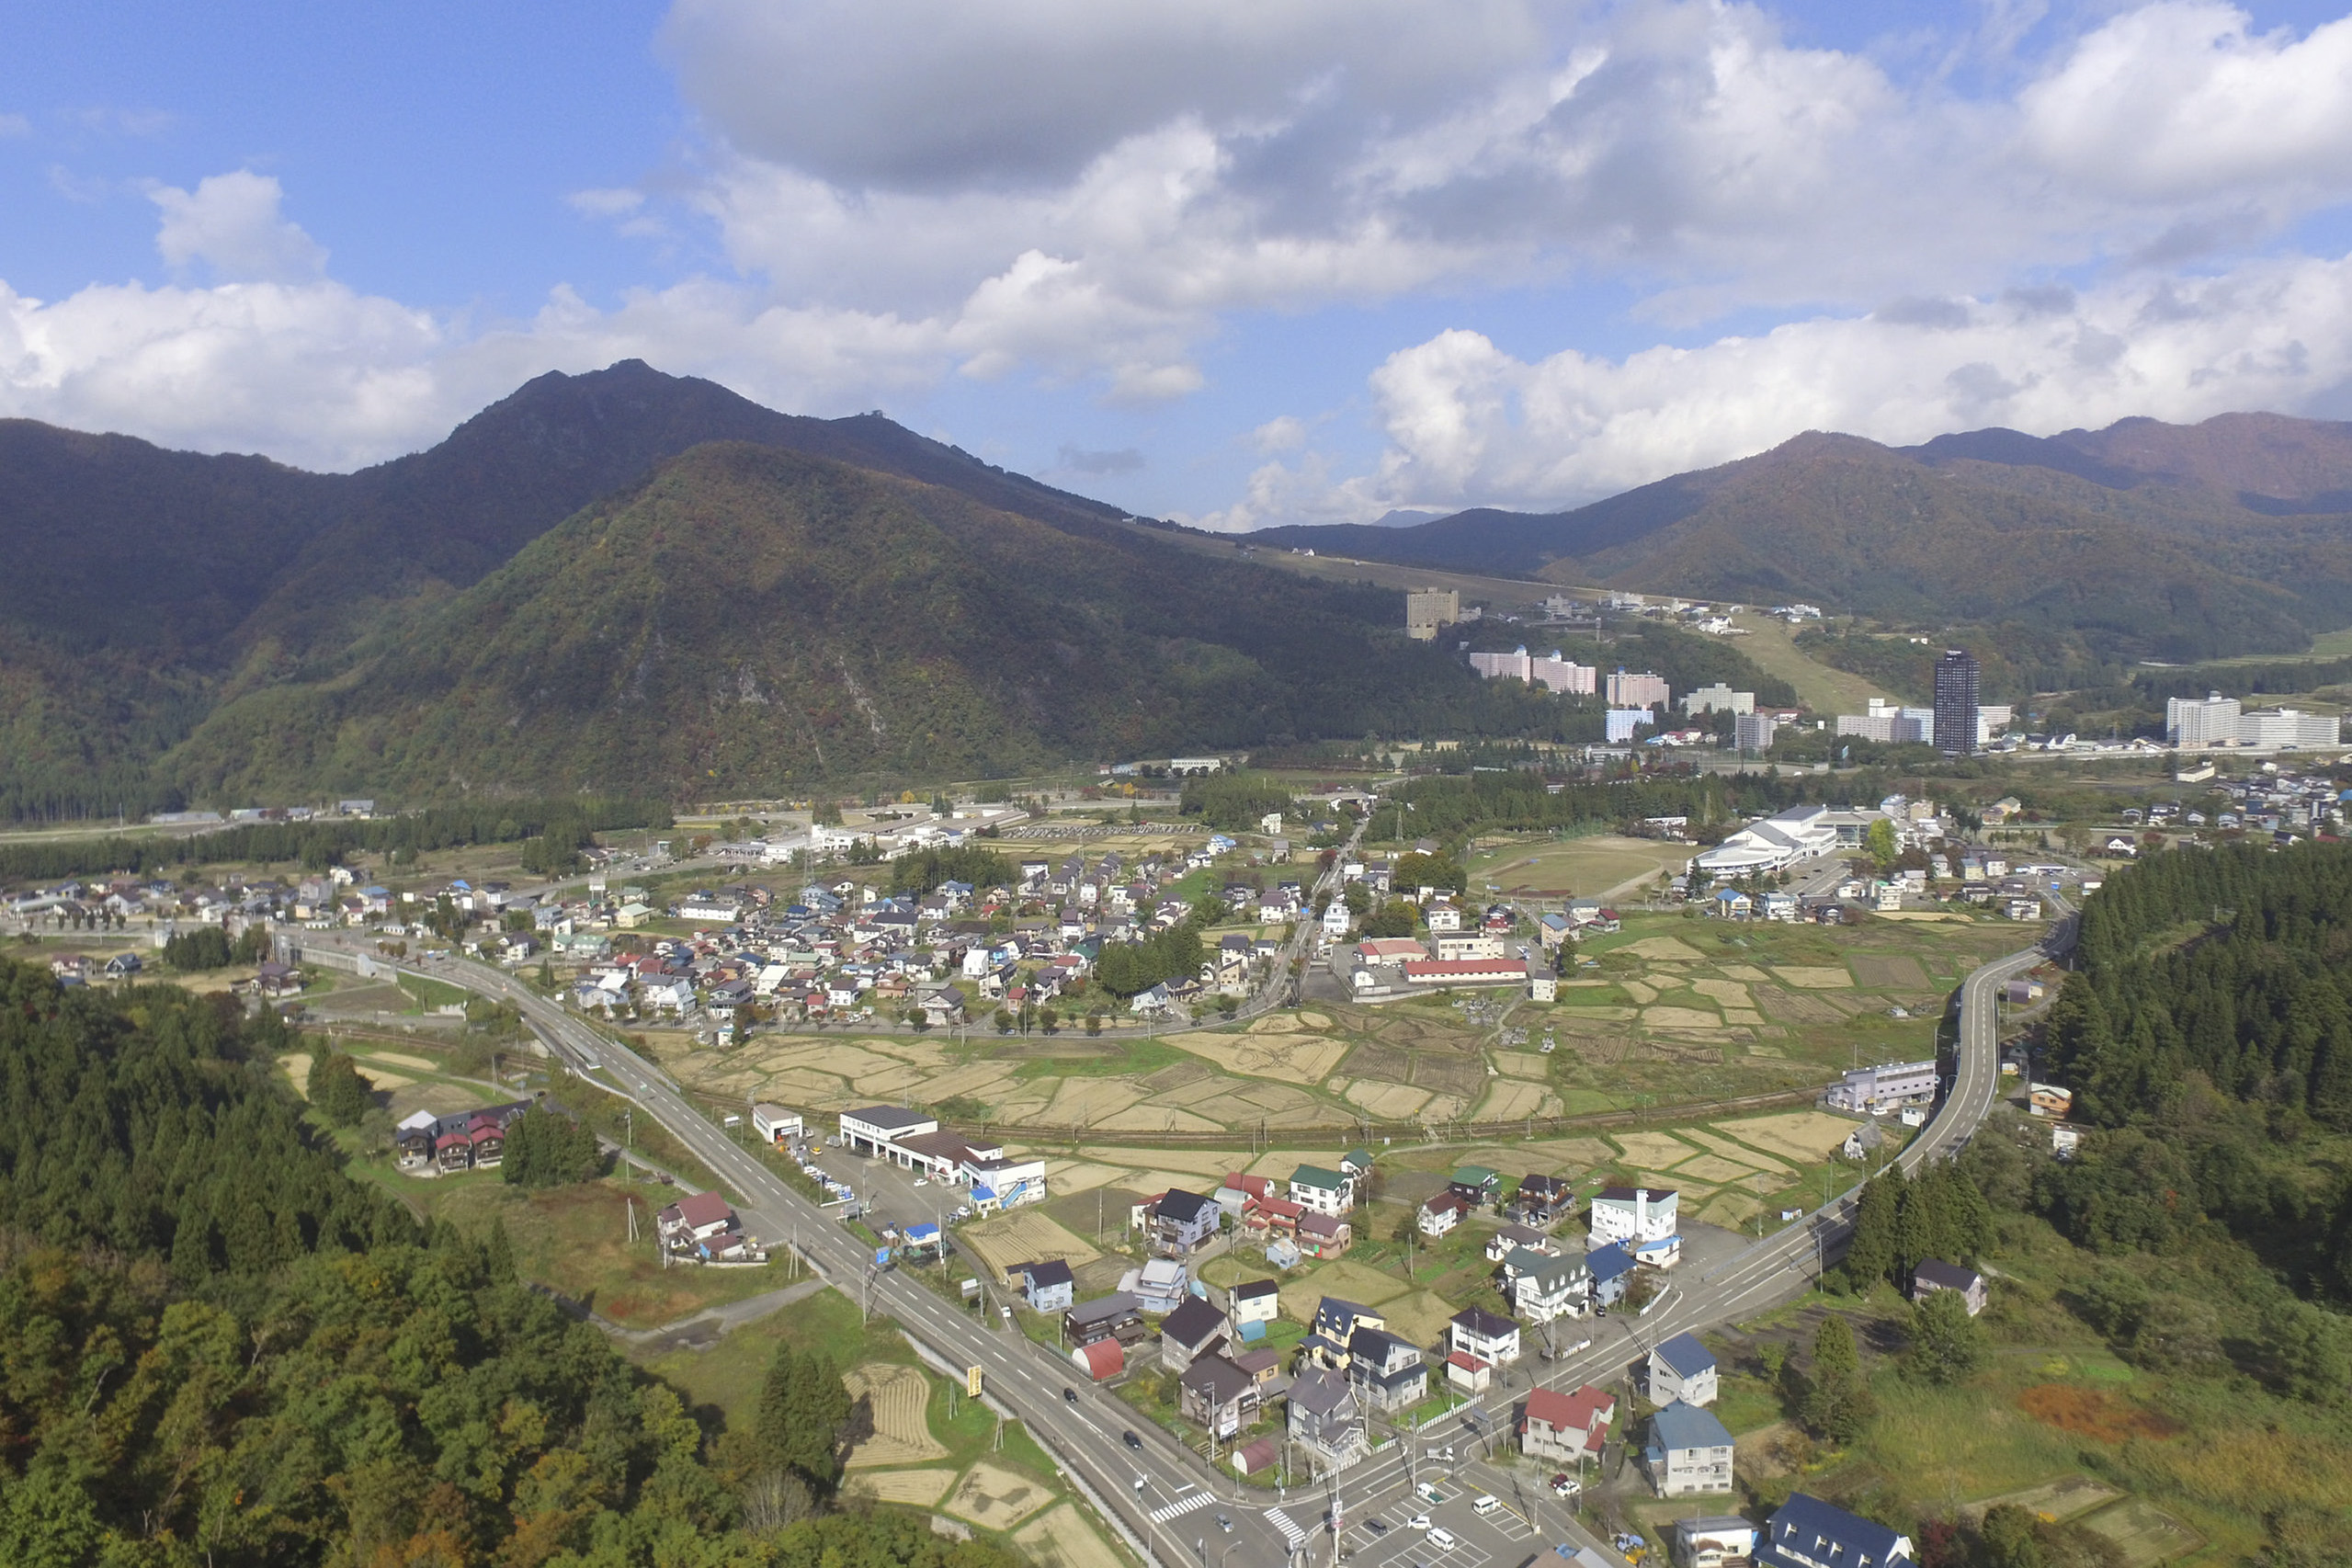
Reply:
x=1162, y=1494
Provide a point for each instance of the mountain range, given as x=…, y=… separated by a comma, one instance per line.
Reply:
x=2147, y=540
x=627, y=580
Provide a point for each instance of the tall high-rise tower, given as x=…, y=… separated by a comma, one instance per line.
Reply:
x=1956, y=702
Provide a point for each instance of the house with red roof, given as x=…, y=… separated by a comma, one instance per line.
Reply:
x=1565, y=1428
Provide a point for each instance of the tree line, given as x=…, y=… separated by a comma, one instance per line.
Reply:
x=221, y=1350
x=317, y=845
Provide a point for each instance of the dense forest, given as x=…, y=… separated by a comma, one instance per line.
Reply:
x=218, y=1349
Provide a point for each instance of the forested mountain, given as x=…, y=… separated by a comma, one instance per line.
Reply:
x=2229, y=536
x=755, y=620
x=218, y=1349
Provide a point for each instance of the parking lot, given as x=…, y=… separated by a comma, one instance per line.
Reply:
x=1516, y=1531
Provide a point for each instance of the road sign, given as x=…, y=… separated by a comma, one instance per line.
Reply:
x=972, y=1380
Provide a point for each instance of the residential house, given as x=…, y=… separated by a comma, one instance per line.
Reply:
x=1715, y=1540
x=1190, y=1331
x=1217, y=1396
x=1612, y=1271
x=1441, y=1212
x=1475, y=1185
x=1806, y=1532
x=1495, y=1340
x=1634, y=1215
x=1689, y=1452
x=1320, y=1235
x=1934, y=1274
x=1512, y=1235
x=1467, y=1375
x=1251, y=1305
x=1181, y=1221
x=696, y=1218
x=1730, y=903
x=1387, y=1373
x=1322, y=1419
x=1047, y=1286
x=1565, y=1428
x=1545, y=1288
x=1682, y=1368
x=1336, y=1322
x=1323, y=1191
x=1541, y=1201
x=1116, y=1316
x=1160, y=1287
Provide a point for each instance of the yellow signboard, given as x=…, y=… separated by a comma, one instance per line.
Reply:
x=972, y=1381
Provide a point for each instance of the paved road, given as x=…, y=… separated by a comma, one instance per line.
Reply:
x=1161, y=1492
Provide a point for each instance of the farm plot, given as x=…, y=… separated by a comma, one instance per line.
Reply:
x=996, y=1499
x=1807, y=1137
x=1509, y=1098
x=1816, y=977
x=1024, y=1236
x=1289, y=1057
x=899, y=1395
x=1349, y=1281
x=917, y=1488
x=1062, y=1537
x=1888, y=972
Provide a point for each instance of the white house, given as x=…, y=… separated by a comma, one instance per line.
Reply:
x=1494, y=1340
x=1689, y=1452
x=1634, y=1215
x=1682, y=1368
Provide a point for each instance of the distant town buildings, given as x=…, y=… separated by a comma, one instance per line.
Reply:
x=1956, y=679
x=1552, y=672
x=1619, y=723
x=1753, y=732
x=2199, y=723
x=1717, y=698
x=1426, y=609
x=1646, y=690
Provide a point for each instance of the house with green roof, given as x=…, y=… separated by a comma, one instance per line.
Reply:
x=1476, y=1185
x=1322, y=1191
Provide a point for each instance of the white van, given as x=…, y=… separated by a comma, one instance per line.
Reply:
x=1485, y=1504
x=1442, y=1539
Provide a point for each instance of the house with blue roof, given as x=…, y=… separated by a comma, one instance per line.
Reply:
x=1689, y=1452
x=1809, y=1533
x=1612, y=1271
x=1682, y=1368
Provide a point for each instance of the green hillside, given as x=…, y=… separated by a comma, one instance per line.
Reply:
x=751, y=620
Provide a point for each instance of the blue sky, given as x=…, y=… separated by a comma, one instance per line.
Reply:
x=1290, y=260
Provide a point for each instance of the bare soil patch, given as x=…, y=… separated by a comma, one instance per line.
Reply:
x=996, y=1499
x=1898, y=971
x=2094, y=1414
x=1062, y=1537
x=1805, y=1136
x=918, y=1488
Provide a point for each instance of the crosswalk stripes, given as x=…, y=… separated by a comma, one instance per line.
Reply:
x=1184, y=1505
x=1291, y=1533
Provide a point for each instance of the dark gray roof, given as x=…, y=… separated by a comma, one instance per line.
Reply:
x=890, y=1117
x=1949, y=1276
x=1103, y=1309
x=1485, y=1324
x=1251, y=1289
x=1217, y=1378
x=1184, y=1207
x=1051, y=1271
x=1805, y=1528
x=1319, y=1392
x=1193, y=1325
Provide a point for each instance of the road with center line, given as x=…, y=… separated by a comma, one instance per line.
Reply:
x=1161, y=1493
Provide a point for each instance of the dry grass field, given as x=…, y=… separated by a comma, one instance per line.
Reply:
x=1599, y=867
x=900, y=1395
x=995, y=1499
x=1024, y=1236
x=1062, y=1537
x=917, y=1488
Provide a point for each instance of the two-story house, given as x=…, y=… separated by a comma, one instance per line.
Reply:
x=1387, y=1373
x=1475, y=1185
x=1046, y=1285
x=1545, y=1288
x=1192, y=1330
x=1689, y=1452
x=1494, y=1340
x=1565, y=1428
x=1541, y=1201
x=1682, y=1368
x=1322, y=1419
x=1321, y=1191
x=1216, y=1395
x=1806, y=1532
x=1181, y=1221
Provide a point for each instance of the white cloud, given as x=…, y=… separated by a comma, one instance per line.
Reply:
x=1284, y=433
x=1470, y=424
x=232, y=224
x=14, y=125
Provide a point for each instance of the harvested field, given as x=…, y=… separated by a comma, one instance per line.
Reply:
x=1453, y=1076
x=1791, y=1008
x=1522, y=1064
x=1679, y=1019
x=1661, y=1150
x=1806, y=1137
x=1552, y=1155
x=296, y=1065
x=1387, y=1102
x=384, y=1080
x=1729, y=992
x=1314, y=1020
x=1077, y=1176
x=1420, y=1317
x=1730, y=1209
x=1511, y=1097
x=1668, y=950
x=1199, y=1162
x=1898, y=971
x=1379, y=1062
x=1024, y=1236
x=1601, y=1014
x=900, y=1395
x=1712, y=1168
x=918, y=1488
x=1743, y=971
x=1816, y=977
x=1692, y=1190
x=1741, y=1017
x=1083, y=1102
x=1356, y=1282
x=1639, y=990
x=1062, y=1537
x=1291, y=1058
x=995, y=1499
x=1183, y=1075
x=2094, y=1414
x=1155, y=1118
